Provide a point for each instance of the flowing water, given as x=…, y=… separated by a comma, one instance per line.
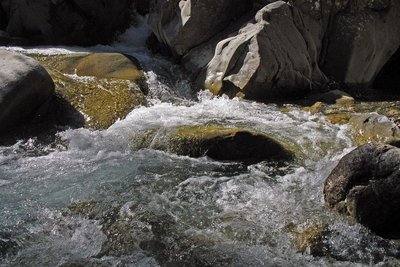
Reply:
x=92, y=199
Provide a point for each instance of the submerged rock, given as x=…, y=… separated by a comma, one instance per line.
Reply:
x=216, y=142
x=365, y=186
x=24, y=87
x=102, y=87
x=373, y=127
x=311, y=240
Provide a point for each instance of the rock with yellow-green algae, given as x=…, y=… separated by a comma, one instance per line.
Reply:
x=219, y=143
x=103, y=87
x=373, y=127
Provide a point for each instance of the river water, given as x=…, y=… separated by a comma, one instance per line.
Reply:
x=92, y=199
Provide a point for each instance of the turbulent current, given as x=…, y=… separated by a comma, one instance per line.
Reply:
x=92, y=199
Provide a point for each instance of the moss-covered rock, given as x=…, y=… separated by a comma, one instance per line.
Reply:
x=99, y=65
x=216, y=142
x=103, y=87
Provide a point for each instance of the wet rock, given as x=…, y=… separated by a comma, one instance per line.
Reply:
x=66, y=22
x=25, y=86
x=99, y=65
x=216, y=142
x=111, y=85
x=365, y=186
x=373, y=127
x=182, y=25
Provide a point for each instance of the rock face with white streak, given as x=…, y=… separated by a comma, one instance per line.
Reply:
x=184, y=24
x=266, y=59
x=278, y=49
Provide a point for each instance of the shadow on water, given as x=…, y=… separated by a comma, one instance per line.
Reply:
x=54, y=116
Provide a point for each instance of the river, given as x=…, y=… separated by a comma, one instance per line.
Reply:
x=92, y=198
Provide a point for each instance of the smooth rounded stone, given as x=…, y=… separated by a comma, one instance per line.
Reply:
x=215, y=142
x=95, y=90
x=365, y=186
x=182, y=25
x=373, y=127
x=66, y=22
x=99, y=65
x=24, y=87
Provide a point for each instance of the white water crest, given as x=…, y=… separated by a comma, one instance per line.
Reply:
x=149, y=208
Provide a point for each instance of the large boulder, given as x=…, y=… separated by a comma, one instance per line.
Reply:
x=270, y=58
x=287, y=49
x=102, y=87
x=66, y=22
x=216, y=142
x=24, y=87
x=184, y=24
x=362, y=38
x=366, y=186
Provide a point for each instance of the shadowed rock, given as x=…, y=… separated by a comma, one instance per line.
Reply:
x=216, y=142
x=24, y=87
x=366, y=186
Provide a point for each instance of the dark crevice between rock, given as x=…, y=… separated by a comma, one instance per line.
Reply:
x=43, y=125
x=3, y=19
x=388, y=79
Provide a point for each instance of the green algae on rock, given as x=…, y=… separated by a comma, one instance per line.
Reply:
x=216, y=142
x=110, y=87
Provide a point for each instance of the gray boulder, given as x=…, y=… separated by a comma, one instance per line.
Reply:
x=184, y=24
x=270, y=58
x=287, y=49
x=24, y=87
x=366, y=186
x=363, y=37
x=66, y=22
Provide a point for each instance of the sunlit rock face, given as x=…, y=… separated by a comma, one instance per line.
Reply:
x=24, y=87
x=278, y=49
x=364, y=185
x=95, y=90
x=66, y=22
